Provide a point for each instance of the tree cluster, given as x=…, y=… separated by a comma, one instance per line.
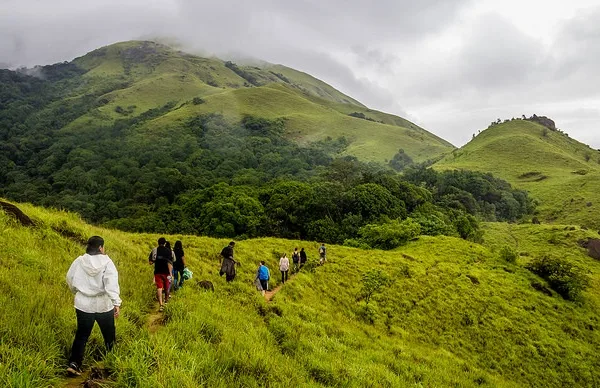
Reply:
x=207, y=176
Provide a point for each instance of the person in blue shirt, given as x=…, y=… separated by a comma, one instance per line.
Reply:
x=263, y=275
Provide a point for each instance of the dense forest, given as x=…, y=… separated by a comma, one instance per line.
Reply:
x=208, y=176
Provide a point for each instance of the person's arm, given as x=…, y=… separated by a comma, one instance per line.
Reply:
x=183, y=261
x=71, y=276
x=152, y=256
x=111, y=286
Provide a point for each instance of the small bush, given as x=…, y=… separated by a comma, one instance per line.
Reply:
x=198, y=101
x=354, y=243
x=367, y=312
x=372, y=282
x=390, y=235
x=508, y=254
x=563, y=277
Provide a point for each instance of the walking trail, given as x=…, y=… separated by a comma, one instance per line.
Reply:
x=271, y=293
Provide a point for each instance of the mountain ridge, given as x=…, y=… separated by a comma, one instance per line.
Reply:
x=147, y=75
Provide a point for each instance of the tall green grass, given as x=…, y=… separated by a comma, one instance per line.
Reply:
x=457, y=314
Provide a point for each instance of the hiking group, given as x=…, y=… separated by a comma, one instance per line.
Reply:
x=299, y=259
x=94, y=281
x=169, y=269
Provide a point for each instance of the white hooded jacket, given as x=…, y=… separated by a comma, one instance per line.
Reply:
x=284, y=264
x=95, y=282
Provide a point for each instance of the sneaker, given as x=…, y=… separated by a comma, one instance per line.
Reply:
x=73, y=369
x=161, y=308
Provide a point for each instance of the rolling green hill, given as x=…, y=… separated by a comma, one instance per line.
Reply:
x=560, y=172
x=140, y=76
x=456, y=314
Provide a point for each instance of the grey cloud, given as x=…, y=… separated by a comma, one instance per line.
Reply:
x=377, y=52
x=375, y=58
x=498, y=54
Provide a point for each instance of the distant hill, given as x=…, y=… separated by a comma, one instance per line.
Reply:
x=560, y=172
x=140, y=75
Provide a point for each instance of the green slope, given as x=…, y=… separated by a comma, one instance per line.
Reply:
x=148, y=75
x=561, y=173
x=457, y=315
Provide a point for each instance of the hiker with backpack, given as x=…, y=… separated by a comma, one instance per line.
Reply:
x=179, y=265
x=322, y=254
x=228, y=263
x=263, y=275
x=94, y=280
x=296, y=260
x=162, y=257
x=284, y=267
x=303, y=257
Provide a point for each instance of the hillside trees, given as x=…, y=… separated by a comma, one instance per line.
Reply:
x=208, y=176
x=477, y=193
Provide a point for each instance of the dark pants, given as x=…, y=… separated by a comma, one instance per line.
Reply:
x=177, y=278
x=85, y=324
x=264, y=284
x=284, y=276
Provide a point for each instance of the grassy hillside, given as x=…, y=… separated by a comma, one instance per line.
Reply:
x=561, y=173
x=140, y=76
x=456, y=314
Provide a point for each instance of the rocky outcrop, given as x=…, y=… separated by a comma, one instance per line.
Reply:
x=16, y=214
x=543, y=120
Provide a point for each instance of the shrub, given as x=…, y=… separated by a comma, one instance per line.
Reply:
x=508, y=254
x=391, y=234
x=198, y=101
x=367, y=313
x=372, y=282
x=563, y=277
x=352, y=242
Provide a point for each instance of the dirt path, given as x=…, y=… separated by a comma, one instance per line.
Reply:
x=77, y=381
x=270, y=294
x=96, y=376
x=155, y=321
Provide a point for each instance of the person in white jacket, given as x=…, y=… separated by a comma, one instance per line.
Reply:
x=284, y=266
x=94, y=280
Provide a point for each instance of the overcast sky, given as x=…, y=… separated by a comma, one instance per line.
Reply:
x=451, y=66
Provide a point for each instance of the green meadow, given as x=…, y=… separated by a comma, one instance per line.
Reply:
x=560, y=172
x=456, y=313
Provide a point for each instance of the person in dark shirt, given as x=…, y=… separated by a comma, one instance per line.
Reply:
x=303, y=257
x=161, y=257
x=228, y=263
x=296, y=259
x=179, y=265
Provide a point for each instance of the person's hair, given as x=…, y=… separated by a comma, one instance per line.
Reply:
x=285, y=255
x=232, y=243
x=302, y=249
x=295, y=249
x=93, y=245
x=168, y=245
x=162, y=241
x=262, y=262
x=178, y=246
